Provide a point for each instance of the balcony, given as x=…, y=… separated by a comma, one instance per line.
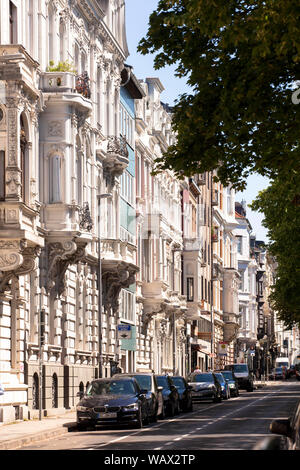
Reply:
x=67, y=88
x=159, y=298
x=118, y=261
x=114, y=155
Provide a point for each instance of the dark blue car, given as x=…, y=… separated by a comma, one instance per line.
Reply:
x=224, y=385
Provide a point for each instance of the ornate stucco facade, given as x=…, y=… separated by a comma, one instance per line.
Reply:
x=61, y=72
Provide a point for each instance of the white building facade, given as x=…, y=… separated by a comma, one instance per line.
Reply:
x=247, y=266
x=61, y=65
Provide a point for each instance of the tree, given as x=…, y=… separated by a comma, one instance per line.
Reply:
x=281, y=210
x=241, y=59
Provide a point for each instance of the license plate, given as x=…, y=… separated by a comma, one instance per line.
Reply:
x=107, y=415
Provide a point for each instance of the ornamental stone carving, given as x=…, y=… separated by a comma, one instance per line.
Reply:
x=56, y=259
x=16, y=259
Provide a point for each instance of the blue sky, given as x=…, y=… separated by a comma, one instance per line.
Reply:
x=137, y=17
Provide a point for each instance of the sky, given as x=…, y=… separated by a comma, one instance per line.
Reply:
x=137, y=18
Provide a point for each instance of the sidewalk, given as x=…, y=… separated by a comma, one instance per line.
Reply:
x=15, y=435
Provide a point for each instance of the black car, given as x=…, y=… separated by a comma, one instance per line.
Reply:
x=147, y=381
x=205, y=386
x=232, y=382
x=243, y=375
x=170, y=395
x=112, y=400
x=185, y=393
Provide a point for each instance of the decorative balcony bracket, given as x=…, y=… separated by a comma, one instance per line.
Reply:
x=149, y=312
x=112, y=283
x=16, y=259
x=55, y=260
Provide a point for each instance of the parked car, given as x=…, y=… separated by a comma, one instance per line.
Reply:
x=205, y=386
x=185, y=393
x=232, y=382
x=224, y=385
x=112, y=400
x=278, y=373
x=154, y=397
x=243, y=375
x=170, y=395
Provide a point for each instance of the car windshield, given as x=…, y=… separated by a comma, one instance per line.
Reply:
x=227, y=374
x=178, y=382
x=111, y=387
x=240, y=368
x=278, y=369
x=202, y=378
x=144, y=381
x=163, y=382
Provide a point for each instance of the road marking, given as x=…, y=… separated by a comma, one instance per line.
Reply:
x=190, y=414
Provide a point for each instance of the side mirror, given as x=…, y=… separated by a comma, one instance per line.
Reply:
x=160, y=389
x=281, y=426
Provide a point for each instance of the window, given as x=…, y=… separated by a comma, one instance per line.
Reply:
x=12, y=23
x=239, y=240
x=55, y=179
x=126, y=126
x=127, y=309
x=127, y=188
x=190, y=289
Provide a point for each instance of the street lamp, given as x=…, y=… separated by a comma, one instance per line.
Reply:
x=99, y=197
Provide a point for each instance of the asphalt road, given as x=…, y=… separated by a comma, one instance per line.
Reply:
x=235, y=424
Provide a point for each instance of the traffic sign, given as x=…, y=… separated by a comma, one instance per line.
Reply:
x=124, y=331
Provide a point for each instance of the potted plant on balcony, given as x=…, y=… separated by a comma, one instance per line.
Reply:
x=61, y=67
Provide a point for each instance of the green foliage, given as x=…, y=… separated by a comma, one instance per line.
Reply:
x=280, y=203
x=61, y=67
x=240, y=58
